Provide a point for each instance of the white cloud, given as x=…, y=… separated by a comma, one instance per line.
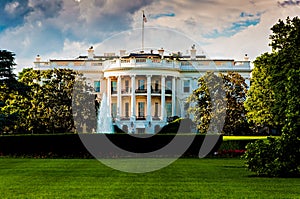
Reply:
x=65, y=29
x=11, y=7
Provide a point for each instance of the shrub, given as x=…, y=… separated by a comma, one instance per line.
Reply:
x=273, y=157
x=180, y=125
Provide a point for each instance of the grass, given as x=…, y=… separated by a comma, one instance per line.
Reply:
x=185, y=178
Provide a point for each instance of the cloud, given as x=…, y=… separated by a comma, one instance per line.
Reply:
x=63, y=27
x=13, y=13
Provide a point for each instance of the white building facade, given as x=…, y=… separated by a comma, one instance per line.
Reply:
x=145, y=90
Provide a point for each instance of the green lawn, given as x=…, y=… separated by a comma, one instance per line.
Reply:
x=186, y=178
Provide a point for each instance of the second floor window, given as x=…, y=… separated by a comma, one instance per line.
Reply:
x=141, y=84
x=126, y=86
x=186, y=86
x=114, y=87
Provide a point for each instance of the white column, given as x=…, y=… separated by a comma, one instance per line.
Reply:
x=149, y=98
x=163, y=97
x=132, y=112
x=109, y=95
x=173, y=96
x=119, y=98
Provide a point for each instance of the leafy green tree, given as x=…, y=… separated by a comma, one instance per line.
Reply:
x=8, y=84
x=281, y=157
x=260, y=98
x=209, y=94
x=47, y=107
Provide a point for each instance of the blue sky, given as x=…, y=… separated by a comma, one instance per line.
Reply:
x=66, y=28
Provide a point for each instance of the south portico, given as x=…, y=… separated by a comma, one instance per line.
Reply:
x=141, y=103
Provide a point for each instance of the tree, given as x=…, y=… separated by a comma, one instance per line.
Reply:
x=7, y=62
x=260, y=98
x=209, y=94
x=7, y=86
x=281, y=157
x=47, y=107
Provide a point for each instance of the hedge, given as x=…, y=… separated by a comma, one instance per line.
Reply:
x=71, y=145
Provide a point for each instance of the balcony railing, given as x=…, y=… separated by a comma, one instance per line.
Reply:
x=156, y=91
x=141, y=91
x=140, y=118
x=168, y=91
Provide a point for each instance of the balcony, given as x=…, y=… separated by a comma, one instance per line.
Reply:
x=156, y=91
x=140, y=118
x=141, y=91
x=168, y=92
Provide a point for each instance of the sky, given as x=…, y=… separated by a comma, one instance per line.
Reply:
x=61, y=29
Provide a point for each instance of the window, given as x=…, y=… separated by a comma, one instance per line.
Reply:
x=97, y=86
x=126, y=86
x=141, y=109
x=156, y=85
x=126, y=109
x=114, y=110
x=186, y=86
x=113, y=87
x=156, y=110
x=141, y=84
x=169, y=109
x=169, y=85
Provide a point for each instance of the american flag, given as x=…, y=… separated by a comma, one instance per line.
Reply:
x=144, y=17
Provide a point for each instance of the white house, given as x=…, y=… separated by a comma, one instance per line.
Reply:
x=144, y=89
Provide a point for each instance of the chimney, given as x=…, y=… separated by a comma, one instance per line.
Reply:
x=90, y=53
x=122, y=53
x=161, y=52
x=246, y=58
x=38, y=58
x=193, y=52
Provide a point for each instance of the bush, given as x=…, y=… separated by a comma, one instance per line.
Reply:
x=180, y=125
x=273, y=157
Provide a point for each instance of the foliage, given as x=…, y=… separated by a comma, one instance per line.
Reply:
x=7, y=62
x=260, y=98
x=210, y=94
x=273, y=157
x=179, y=125
x=47, y=105
x=8, y=85
x=281, y=157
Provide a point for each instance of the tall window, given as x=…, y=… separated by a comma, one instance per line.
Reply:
x=156, y=85
x=156, y=110
x=126, y=109
x=186, y=86
x=97, y=86
x=114, y=87
x=141, y=109
x=126, y=86
x=114, y=110
x=169, y=85
x=141, y=84
x=169, y=109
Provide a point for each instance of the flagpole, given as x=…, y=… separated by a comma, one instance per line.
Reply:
x=143, y=31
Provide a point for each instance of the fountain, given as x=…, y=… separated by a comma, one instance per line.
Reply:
x=104, y=120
